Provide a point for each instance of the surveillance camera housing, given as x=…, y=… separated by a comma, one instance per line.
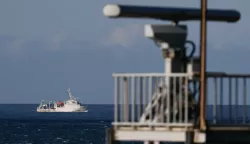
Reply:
x=174, y=36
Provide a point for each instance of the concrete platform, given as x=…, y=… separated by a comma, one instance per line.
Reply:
x=156, y=134
x=214, y=134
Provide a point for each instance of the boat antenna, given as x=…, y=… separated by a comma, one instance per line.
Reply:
x=70, y=95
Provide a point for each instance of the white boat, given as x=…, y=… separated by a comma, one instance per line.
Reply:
x=70, y=105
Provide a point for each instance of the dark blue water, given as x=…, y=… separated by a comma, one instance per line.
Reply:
x=20, y=124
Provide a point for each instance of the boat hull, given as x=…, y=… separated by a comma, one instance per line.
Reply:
x=64, y=109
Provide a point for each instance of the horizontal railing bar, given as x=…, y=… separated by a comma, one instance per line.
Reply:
x=209, y=75
x=231, y=76
x=223, y=74
x=151, y=75
x=151, y=124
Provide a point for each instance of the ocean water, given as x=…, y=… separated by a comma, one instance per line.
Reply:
x=21, y=124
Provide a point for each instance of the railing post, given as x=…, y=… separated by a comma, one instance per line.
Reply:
x=230, y=99
x=175, y=98
x=116, y=100
x=150, y=98
x=167, y=82
x=162, y=101
x=180, y=100
x=221, y=97
x=215, y=101
x=121, y=98
x=109, y=136
x=244, y=100
x=133, y=101
x=236, y=99
x=186, y=94
x=126, y=97
x=144, y=92
x=140, y=97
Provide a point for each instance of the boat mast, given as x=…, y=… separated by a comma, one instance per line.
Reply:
x=70, y=95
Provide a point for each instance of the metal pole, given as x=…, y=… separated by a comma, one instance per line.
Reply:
x=203, y=31
x=215, y=101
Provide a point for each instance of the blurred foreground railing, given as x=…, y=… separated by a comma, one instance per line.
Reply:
x=227, y=97
x=157, y=99
x=153, y=99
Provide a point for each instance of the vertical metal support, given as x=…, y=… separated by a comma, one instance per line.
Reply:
x=116, y=100
x=121, y=99
x=230, y=99
x=126, y=100
x=236, y=99
x=221, y=98
x=180, y=101
x=186, y=99
x=144, y=92
x=133, y=101
x=203, y=36
x=175, y=99
x=168, y=98
x=140, y=98
x=109, y=136
x=162, y=101
x=189, y=137
x=215, y=101
x=244, y=100
x=150, y=98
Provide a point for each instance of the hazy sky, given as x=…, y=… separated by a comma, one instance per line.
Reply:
x=47, y=46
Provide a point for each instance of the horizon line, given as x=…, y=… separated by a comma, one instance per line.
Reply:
x=111, y=104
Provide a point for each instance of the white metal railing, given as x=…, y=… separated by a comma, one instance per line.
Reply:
x=153, y=99
x=227, y=99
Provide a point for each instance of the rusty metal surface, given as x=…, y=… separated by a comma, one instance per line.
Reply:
x=203, y=34
x=229, y=128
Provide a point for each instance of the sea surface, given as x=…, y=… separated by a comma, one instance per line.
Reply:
x=21, y=124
